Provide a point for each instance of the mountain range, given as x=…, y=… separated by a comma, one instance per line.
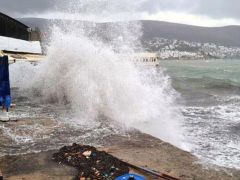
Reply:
x=226, y=36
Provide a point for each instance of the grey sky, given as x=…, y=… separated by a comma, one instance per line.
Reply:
x=215, y=9
x=211, y=8
x=20, y=7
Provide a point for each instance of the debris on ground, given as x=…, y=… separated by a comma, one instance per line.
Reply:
x=90, y=162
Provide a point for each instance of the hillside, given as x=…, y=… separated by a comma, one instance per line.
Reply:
x=226, y=36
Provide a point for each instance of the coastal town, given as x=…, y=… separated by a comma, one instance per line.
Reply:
x=167, y=49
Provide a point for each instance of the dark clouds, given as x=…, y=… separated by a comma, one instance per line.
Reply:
x=211, y=8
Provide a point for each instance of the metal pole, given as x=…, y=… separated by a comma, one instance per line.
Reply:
x=160, y=175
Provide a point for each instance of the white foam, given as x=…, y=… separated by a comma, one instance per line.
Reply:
x=89, y=75
x=8, y=132
x=212, y=134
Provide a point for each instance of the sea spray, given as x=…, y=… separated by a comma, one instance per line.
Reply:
x=90, y=74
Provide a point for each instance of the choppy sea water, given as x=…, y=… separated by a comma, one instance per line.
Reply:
x=40, y=127
x=210, y=103
x=43, y=126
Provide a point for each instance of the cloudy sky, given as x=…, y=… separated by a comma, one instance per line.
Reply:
x=195, y=12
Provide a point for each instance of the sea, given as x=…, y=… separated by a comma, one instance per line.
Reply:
x=210, y=103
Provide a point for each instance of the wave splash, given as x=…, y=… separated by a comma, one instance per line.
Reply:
x=93, y=77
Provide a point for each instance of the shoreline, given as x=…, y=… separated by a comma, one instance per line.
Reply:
x=138, y=149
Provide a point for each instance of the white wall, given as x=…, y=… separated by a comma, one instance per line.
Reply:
x=16, y=45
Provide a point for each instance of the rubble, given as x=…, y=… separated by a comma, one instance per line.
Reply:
x=90, y=162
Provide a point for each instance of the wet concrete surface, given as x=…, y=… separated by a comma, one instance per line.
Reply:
x=138, y=149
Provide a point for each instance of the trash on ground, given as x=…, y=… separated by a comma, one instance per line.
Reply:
x=90, y=162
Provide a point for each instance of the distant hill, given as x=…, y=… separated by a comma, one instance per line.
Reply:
x=226, y=36
x=35, y=22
